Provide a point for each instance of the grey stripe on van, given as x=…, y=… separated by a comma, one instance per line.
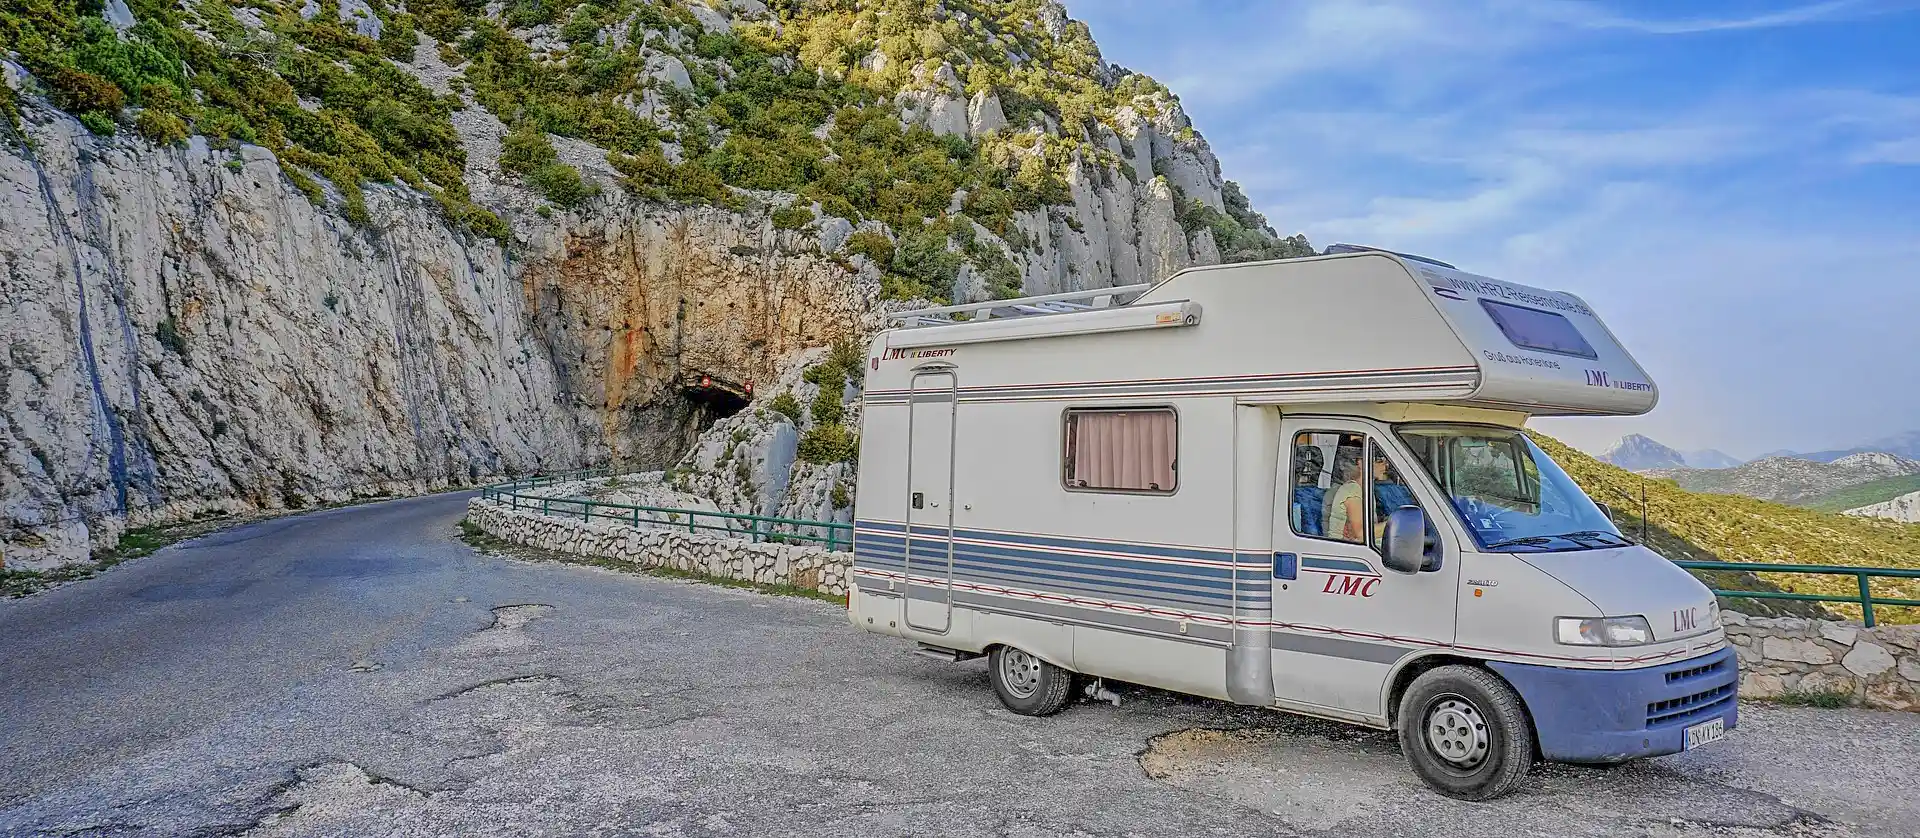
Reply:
x=1075, y=577
x=1337, y=647
x=1201, y=633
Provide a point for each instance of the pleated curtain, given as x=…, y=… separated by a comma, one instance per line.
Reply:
x=1130, y=451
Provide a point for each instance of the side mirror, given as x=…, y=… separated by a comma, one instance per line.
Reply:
x=1405, y=540
x=1606, y=510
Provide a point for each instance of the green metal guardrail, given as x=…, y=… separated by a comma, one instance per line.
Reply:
x=839, y=536
x=1865, y=575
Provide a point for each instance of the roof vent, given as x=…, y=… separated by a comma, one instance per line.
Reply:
x=1361, y=248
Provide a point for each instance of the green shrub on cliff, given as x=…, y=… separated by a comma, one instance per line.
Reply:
x=527, y=151
x=786, y=405
x=825, y=444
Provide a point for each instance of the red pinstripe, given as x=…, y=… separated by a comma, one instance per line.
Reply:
x=1220, y=620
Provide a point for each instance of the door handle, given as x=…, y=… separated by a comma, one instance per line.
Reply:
x=919, y=500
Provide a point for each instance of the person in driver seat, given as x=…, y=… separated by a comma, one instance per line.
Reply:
x=1389, y=493
x=1309, y=499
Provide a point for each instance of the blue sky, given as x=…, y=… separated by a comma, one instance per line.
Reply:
x=1735, y=186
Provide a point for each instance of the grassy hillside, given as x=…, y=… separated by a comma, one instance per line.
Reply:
x=1865, y=494
x=1685, y=525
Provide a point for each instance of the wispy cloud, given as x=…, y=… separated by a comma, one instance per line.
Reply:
x=1594, y=16
x=1901, y=152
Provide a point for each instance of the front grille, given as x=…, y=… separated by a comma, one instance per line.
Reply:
x=1689, y=707
x=1700, y=671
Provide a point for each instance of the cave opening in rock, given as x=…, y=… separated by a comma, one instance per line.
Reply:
x=714, y=399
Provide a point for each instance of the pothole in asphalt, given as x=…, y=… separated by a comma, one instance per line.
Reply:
x=1361, y=785
x=508, y=631
x=331, y=793
x=518, y=616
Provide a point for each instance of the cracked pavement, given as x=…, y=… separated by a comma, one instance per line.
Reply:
x=359, y=671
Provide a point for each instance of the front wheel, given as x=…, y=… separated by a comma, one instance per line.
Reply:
x=1465, y=732
x=1028, y=685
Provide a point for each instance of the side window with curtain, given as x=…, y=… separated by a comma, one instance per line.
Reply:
x=1122, y=450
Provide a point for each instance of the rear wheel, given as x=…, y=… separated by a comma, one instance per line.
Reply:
x=1028, y=685
x=1465, y=732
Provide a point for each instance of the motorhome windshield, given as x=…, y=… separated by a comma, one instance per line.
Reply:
x=1508, y=492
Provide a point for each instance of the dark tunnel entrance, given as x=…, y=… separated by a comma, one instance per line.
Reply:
x=714, y=398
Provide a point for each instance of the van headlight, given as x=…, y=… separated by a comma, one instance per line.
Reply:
x=1602, y=631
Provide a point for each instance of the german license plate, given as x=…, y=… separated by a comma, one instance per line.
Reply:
x=1706, y=733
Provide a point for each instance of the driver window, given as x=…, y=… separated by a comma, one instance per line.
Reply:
x=1328, y=498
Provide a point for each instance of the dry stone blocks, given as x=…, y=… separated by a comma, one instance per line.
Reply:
x=1877, y=667
x=798, y=565
x=1804, y=651
x=1867, y=660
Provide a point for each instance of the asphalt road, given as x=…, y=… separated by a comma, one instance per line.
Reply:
x=361, y=672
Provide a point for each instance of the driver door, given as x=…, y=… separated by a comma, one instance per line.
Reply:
x=1341, y=619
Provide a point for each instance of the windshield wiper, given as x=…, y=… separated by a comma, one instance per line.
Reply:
x=1528, y=541
x=1595, y=534
x=1576, y=537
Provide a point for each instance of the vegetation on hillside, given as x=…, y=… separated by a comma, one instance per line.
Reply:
x=320, y=96
x=1865, y=494
x=1685, y=525
x=803, y=104
x=828, y=439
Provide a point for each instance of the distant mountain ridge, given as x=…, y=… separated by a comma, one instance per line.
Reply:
x=1904, y=445
x=1792, y=479
x=1635, y=452
x=1711, y=458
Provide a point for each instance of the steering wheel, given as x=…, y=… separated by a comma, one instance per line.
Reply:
x=1496, y=518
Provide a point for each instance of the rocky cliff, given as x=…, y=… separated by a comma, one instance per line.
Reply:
x=1905, y=508
x=270, y=254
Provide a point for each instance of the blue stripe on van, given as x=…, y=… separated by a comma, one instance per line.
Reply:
x=1117, y=593
x=972, y=567
x=1114, y=589
x=1135, y=568
x=935, y=549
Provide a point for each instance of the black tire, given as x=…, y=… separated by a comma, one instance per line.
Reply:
x=1466, y=732
x=1028, y=685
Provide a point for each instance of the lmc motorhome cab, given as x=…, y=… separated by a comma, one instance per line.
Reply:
x=1300, y=484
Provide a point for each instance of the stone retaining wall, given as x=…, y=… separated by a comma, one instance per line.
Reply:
x=1878, y=667
x=801, y=566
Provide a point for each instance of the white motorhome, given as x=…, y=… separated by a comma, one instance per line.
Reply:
x=1301, y=484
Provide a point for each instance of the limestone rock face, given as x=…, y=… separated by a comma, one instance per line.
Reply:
x=184, y=330
x=361, y=17
x=984, y=115
x=1905, y=508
